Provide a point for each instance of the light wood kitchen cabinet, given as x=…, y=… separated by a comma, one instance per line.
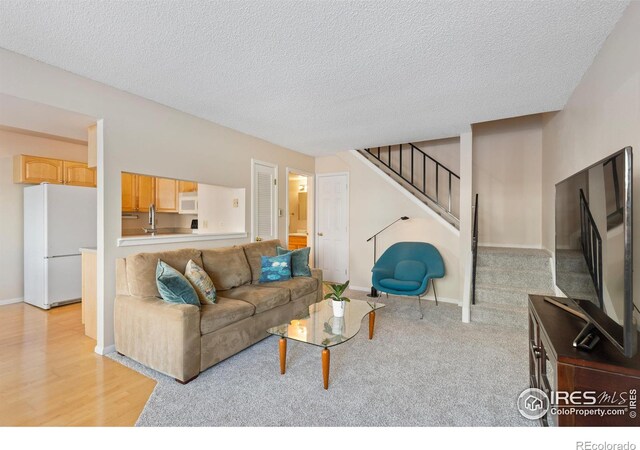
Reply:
x=129, y=194
x=145, y=192
x=166, y=195
x=138, y=192
x=187, y=186
x=36, y=170
x=78, y=174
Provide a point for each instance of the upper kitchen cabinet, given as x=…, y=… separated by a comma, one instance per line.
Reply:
x=187, y=186
x=78, y=174
x=166, y=195
x=145, y=192
x=129, y=192
x=36, y=170
x=138, y=192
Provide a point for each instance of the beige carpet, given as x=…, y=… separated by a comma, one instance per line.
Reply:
x=431, y=372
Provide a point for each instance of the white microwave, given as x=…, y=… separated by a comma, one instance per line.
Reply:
x=188, y=203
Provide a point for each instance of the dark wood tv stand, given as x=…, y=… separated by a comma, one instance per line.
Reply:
x=555, y=365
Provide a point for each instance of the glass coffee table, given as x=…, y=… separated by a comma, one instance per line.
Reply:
x=322, y=329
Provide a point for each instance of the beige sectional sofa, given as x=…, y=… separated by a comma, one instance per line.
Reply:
x=183, y=340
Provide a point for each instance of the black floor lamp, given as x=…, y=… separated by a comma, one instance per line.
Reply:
x=374, y=291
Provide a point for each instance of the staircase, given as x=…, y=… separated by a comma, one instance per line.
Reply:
x=573, y=273
x=427, y=179
x=504, y=278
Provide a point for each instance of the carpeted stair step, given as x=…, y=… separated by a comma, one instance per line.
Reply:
x=577, y=264
x=504, y=279
x=576, y=281
x=513, y=258
x=520, y=279
x=506, y=316
x=504, y=295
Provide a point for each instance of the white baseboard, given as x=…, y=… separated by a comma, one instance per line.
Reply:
x=454, y=301
x=105, y=350
x=11, y=301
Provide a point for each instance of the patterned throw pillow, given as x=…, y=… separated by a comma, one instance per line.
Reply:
x=275, y=268
x=202, y=283
x=173, y=286
x=299, y=261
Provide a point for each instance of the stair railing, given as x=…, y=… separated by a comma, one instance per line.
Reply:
x=410, y=178
x=591, y=243
x=474, y=252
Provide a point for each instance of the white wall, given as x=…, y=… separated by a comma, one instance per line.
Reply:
x=445, y=151
x=11, y=203
x=216, y=210
x=507, y=175
x=374, y=204
x=142, y=136
x=601, y=117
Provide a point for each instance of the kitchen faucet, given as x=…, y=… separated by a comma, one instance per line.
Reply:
x=152, y=219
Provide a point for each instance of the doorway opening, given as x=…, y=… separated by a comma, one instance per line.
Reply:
x=300, y=211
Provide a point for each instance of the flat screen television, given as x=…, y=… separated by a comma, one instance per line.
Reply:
x=594, y=252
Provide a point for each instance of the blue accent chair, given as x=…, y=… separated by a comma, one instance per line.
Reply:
x=405, y=268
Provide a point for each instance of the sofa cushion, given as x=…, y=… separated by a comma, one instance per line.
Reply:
x=222, y=313
x=141, y=269
x=297, y=286
x=227, y=267
x=275, y=268
x=254, y=251
x=263, y=298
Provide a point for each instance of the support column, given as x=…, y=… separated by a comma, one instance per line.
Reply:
x=466, y=221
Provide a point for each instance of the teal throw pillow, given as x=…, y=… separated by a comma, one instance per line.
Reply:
x=275, y=268
x=299, y=261
x=173, y=286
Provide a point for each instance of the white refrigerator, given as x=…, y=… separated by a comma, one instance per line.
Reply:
x=58, y=221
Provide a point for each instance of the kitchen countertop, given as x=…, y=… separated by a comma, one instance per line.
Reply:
x=298, y=234
x=88, y=250
x=128, y=240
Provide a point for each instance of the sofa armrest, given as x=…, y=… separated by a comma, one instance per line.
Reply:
x=317, y=274
x=163, y=336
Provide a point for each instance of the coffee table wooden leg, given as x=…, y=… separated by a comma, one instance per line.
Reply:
x=372, y=323
x=283, y=355
x=325, y=367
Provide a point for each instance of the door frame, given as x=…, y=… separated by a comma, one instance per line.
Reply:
x=277, y=194
x=310, y=224
x=317, y=216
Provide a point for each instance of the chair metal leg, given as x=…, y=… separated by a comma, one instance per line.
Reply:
x=387, y=294
x=420, y=306
x=435, y=294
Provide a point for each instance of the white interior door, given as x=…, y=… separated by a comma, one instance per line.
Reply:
x=264, y=201
x=332, y=229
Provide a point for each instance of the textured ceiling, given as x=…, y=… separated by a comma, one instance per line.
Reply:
x=323, y=76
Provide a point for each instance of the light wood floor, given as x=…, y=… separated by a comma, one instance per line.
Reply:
x=50, y=375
